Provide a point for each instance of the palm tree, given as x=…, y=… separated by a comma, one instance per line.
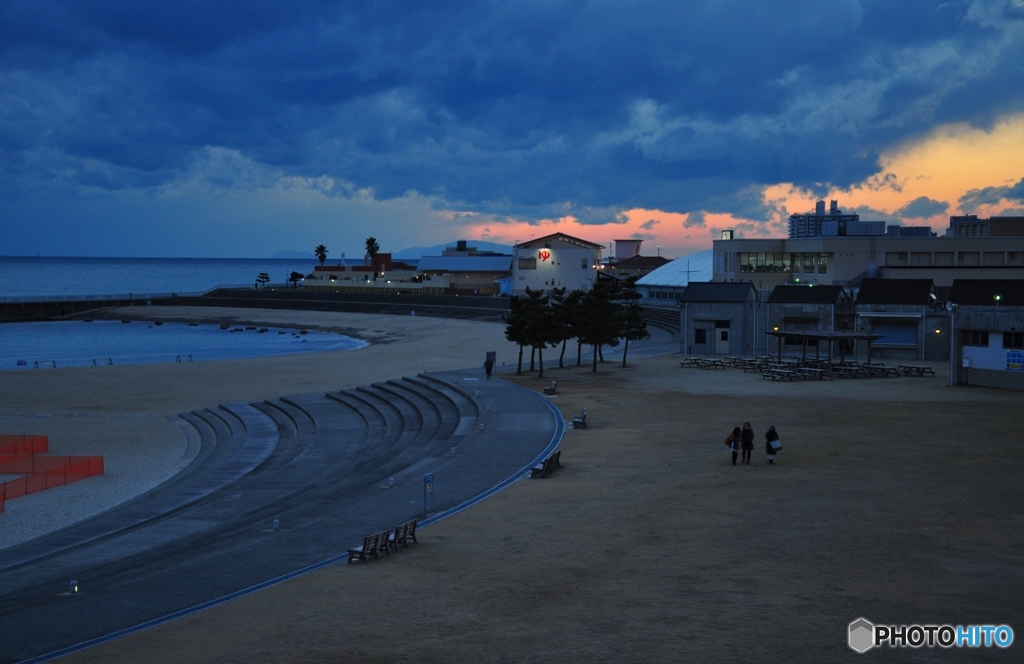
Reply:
x=372, y=248
x=321, y=253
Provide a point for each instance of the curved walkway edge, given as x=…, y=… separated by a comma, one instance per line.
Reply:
x=496, y=427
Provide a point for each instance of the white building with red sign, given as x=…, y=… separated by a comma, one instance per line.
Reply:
x=555, y=261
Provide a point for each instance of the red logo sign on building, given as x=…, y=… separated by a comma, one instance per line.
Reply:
x=543, y=255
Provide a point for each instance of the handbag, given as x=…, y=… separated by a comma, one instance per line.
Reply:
x=777, y=445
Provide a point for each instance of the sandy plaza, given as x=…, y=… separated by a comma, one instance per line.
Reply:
x=898, y=500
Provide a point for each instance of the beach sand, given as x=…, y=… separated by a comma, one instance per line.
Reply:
x=127, y=413
x=897, y=499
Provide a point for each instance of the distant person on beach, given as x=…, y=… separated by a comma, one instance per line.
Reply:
x=747, y=438
x=488, y=367
x=734, y=440
x=771, y=438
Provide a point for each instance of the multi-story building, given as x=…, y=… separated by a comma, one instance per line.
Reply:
x=846, y=260
x=555, y=261
x=970, y=226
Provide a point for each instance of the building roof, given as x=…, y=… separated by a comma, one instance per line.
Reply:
x=982, y=292
x=895, y=291
x=536, y=242
x=787, y=294
x=642, y=261
x=465, y=263
x=696, y=267
x=710, y=291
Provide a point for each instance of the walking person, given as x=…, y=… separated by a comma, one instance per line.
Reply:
x=772, y=444
x=734, y=441
x=747, y=439
x=488, y=367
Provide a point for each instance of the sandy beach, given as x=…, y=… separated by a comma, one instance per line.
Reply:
x=127, y=413
x=898, y=500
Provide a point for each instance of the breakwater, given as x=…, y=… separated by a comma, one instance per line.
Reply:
x=32, y=310
x=441, y=306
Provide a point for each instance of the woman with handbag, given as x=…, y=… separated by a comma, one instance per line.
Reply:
x=772, y=444
x=734, y=441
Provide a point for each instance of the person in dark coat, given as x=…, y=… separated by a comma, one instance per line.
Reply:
x=747, y=438
x=734, y=441
x=488, y=367
x=770, y=436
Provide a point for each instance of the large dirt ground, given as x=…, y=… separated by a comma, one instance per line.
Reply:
x=898, y=500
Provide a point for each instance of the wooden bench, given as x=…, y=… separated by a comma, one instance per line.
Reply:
x=580, y=421
x=550, y=389
x=402, y=535
x=372, y=544
x=547, y=466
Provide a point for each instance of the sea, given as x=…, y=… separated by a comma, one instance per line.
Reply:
x=67, y=278
x=103, y=343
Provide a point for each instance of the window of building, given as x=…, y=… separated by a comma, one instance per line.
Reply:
x=975, y=338
x=822, y=263
x=700, y=336
x=1013, y=340
x=584, y=263
x=760, y=261
x=527, y=263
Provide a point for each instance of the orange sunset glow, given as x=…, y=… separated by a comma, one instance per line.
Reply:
x=942, y=165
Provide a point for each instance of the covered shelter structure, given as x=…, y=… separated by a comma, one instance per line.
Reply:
x=831, y=336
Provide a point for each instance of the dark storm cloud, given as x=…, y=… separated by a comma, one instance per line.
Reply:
x=514, y=109
x=922, y=207
x=970, y=201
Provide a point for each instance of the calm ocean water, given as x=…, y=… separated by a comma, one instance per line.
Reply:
x=99, y=343
x=75, y=277
x=80, y=344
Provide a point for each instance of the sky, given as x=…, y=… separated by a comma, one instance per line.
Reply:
x=231, y=129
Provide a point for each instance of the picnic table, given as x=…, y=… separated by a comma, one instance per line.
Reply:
x=689, y=361
x=878, y=370
x=844, y=371
x=915, y=370
x=711, y=364
x=813, y=373
x=779, y=374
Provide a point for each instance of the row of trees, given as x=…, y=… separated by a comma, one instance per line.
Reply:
x=372, y=249
x=598, y=317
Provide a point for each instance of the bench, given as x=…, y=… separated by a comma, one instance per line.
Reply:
x=372, y=544
x=689, y=362
x=712, y=364
x=580, y=421
x=547, y=466
x=550, y=389
x=402, y=535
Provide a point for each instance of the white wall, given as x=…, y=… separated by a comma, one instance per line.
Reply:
x=563, y=265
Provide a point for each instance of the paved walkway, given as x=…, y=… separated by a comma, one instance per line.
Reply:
x=319, y=463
